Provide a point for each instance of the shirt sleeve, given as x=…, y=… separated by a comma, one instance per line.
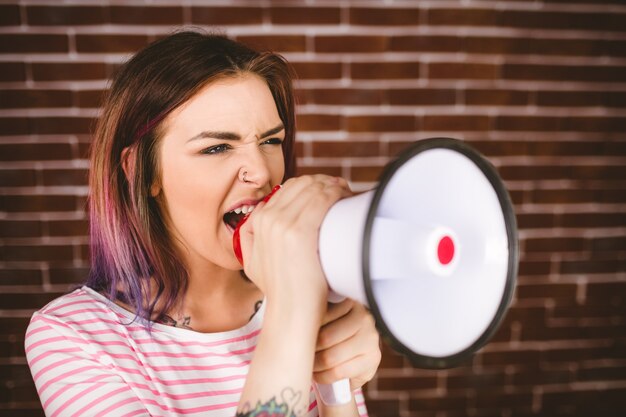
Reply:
x=360, y=403
x=70, y=377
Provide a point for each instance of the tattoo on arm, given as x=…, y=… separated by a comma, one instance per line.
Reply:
x=287, y=407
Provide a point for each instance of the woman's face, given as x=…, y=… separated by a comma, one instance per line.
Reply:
x=229, y=128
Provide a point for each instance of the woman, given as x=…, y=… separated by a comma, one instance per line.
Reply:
x=196, y=130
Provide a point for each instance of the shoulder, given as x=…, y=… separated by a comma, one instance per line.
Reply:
x=71, y=316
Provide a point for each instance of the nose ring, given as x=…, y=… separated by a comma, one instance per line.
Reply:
x=243, y=177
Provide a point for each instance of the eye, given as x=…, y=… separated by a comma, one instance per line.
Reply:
x=273, y=141
x=212, y=150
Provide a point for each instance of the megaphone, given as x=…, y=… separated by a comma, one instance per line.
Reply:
x=432, y=251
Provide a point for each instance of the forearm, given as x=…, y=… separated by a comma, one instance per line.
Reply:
x=281, y=371
x=347, y=410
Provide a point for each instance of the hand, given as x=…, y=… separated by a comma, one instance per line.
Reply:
x=347, y=345
x=279, y=239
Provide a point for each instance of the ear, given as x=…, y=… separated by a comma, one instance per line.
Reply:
x=128, y=161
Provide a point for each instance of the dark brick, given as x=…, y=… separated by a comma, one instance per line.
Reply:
x=305, y=15
x=227, y=15
x=385, y=70
x=89, y=98
x=20, y=228
x=381, y=123
x=68, y=275
x=562, y=20
x=527, y=123
x=65, y=15
x=449, y=402
x=588, y=220
x=350, y=96
x=422, y=96
x=317, y=70
x=12, y=71
x=351, y=43
x=365, y=173
x=497, y=97
x=17, y=177
x=29, y=42
x=110, y=43
x=279, y=43
x=69, y=71
x=592, y=267
x=385, y=17
x=334, y=170
x=61, y=177
x=406, y=383
x=553, y=72
x=35, y=98
x=152, y=15
x=35, y=151
x=462, y=17
x=317, y=122
x=547, y=291
x=461, y=71
x=26, y=301
x=425, y=43
x=10, y=15
x=456, y=123
x=30, y=203
x=345, y=149
x=68, y=227
x=40, y=252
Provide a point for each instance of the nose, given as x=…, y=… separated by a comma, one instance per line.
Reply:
x=254, y=169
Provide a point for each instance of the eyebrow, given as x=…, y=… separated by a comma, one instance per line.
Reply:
x=233, y=136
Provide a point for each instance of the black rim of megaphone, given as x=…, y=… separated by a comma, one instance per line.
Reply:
x=424, y=361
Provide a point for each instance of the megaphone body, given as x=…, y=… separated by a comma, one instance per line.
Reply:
x=432, y=251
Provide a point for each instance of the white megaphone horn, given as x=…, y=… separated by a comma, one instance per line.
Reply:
x=432, y=251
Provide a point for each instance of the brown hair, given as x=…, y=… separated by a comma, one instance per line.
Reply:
x=129, y=241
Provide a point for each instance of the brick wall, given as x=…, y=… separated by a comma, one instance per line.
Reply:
x=537, y=86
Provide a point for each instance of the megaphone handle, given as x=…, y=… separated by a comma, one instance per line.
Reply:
x=337, y=393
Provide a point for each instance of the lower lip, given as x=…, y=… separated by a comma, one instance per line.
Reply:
x=229, y=228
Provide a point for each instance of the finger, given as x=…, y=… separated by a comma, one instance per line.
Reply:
x=359, y=370
x=358, y=344
x=336, y=310
x=339, y=331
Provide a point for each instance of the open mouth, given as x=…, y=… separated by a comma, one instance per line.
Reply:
x=234, y=217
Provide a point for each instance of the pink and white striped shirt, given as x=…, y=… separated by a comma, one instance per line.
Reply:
x=87, y=361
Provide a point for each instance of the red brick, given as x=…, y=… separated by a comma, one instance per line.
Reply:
x=317, y=122
x=456, y=123
x=462, y=17
x=35, y=98
x=500, y=148
x=381, y=123
x=342, y=96
x=17, y=177
x=227, y=15
x=497, y=97
x=305, y=15
x=10, y=15
x=364, y=43
x=20, y=228
x=68, y=228
x=69, y=71
x=384, y=17
x=65, y=15
x=384, y=70
x=426, y=43
x=279, y=43
x=152, y=15
x=334, y=171
x=548, y=172
x=88, y=98
x=28, y=42
x=12, y=71
x=30, y=203
x=61, y=177
x=317, y=70
x=460, y=71
x=110, y=43
x=345, y=149
x=35, y=151
x=422, y=96
x=365, y=173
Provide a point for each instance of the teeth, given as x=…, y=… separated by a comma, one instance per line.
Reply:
x=243, y=210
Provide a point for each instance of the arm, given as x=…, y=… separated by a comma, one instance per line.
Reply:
x=279, y=246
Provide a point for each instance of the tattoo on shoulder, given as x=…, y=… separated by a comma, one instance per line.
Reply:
x=257, y=306
x=288, y=406
x=183, y=322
